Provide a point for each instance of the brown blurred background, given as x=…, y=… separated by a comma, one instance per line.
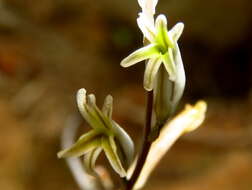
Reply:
x=51, y=48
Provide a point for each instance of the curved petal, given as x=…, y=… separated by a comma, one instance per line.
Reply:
x=86, y=110
x=109, y=148
x=180, y=75
x=81, y=100
x=150, y=73
x=163, y=36
x=148, y=6
x=90, y=159
x=169, y=64
x=108, y=106
x=176, y=31
x=86, y=143
x=125, y=142
x=167, y=93
x=141, y=54
x=106, y=122
x=146, y=25
x=95, y=112
x=99, y=116
x=91, y=100
x=163, y=93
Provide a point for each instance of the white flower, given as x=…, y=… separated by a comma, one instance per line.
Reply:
x=162, y=48
x=164, y=72
x=106, y=135
x=148, y=11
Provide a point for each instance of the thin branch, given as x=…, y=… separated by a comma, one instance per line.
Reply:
x=146, y=143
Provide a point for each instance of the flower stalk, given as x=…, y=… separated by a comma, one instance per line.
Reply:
x=145, y=145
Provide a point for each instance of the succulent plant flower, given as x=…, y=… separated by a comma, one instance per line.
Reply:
x=164, y=72
x=106, y=135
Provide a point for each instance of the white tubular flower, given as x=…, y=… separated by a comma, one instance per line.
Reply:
x=162, y=48
x=164, y=72
x=106, y=135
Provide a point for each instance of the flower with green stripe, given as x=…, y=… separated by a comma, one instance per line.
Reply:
x=106, y=135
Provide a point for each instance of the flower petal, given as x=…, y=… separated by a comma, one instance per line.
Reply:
x=106, y=122
x=96, y=113
x=151, y=70
x=148, y=5
x=86, y=143
x=91, y=100
x=163, y=36
x=90, y=159
x=146, y=25
x=176, y=31
x=109, y=148
x=180, y=81
x=125, y=142
x=86, y=111
x=162, y=96
x=108, y=106
x=169, y=64
x=141, y=54
x=167, y=93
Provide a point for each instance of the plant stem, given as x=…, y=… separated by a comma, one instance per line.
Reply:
x=146, y=143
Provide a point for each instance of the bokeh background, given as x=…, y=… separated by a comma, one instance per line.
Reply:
x=51, y=48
